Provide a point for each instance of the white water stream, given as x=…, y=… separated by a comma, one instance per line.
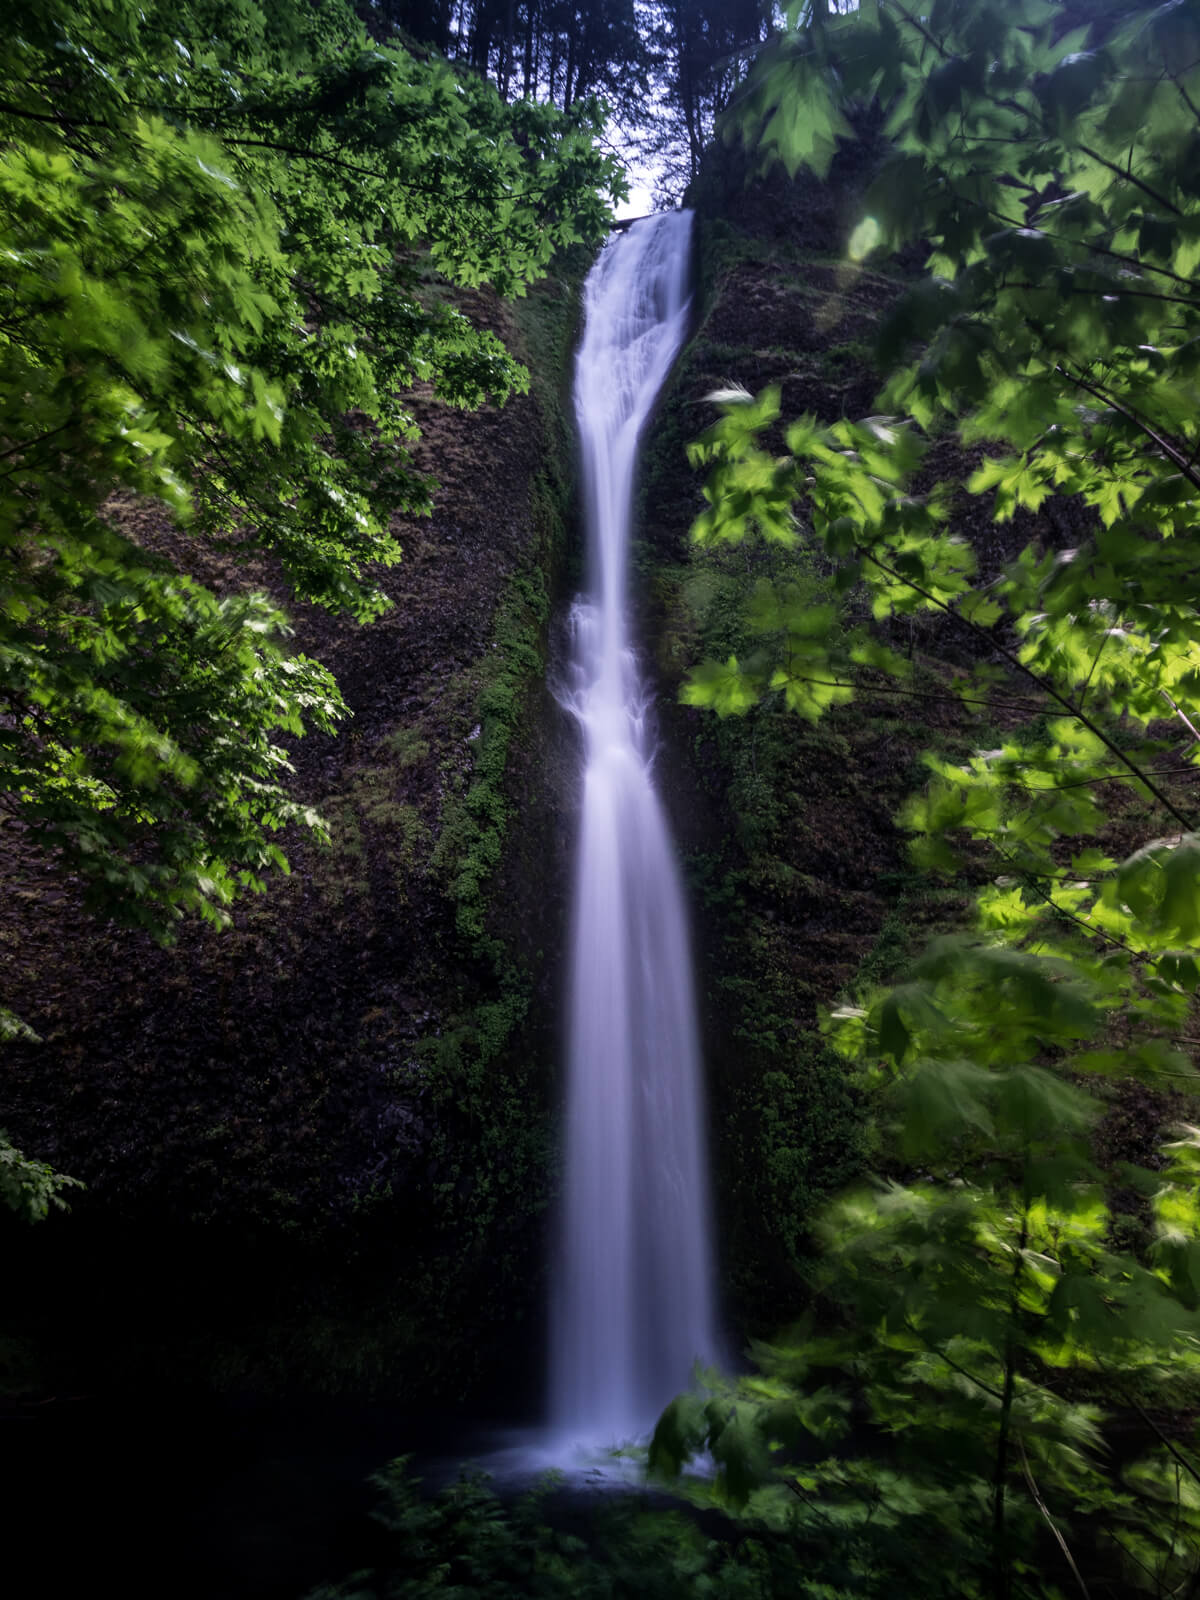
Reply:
x=635, y=1302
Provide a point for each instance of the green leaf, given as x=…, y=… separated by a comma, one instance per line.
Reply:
x=722, y=687
x=941, y=1101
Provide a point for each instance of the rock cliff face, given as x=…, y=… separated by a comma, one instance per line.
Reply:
x=318, y=1146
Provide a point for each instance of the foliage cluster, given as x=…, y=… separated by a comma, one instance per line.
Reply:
x=234, y=238
x=547, y=1545
x=992, y=1384
x=231, y=240
x=665, y=69
x=30, y=1188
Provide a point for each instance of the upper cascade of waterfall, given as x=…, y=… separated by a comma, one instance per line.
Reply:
x=634, y=1308
x=636, y=309
x=636, y=304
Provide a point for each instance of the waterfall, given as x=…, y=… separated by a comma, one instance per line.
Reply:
x=635, y=1303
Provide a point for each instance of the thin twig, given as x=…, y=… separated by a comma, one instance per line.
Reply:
x=1053, y=1526
x=1104, y=638
x=32, y=444
x=1182, y=715
x=1172, y=452
x=1089, y=928
x=1110, y=290
x=937, y=1350
x=949, y=698
x=1114, y=777
x=1137, y=1560
x=59, y=119
x=916, y=23
x=806, y=1499
x=1187, y=99
x=1129, y=178
x=1162, y=1438
x=1042, y=683
x=1092, y=249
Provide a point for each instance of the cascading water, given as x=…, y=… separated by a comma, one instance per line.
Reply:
x=635, y=1307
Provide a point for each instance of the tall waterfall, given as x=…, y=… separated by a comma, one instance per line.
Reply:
x=635, y=1302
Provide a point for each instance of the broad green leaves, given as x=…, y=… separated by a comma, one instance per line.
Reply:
x=789, y=112
x=1056, y=334
x=228, y=239
x=30, y=1188
x=1058, y=326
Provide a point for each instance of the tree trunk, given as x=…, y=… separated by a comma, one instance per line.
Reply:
x=481, y=38
x=530, y=59
x=570, y=69
x=505, y=64
x=687, y=94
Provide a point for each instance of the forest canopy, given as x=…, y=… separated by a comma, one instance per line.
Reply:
x=665, y=69
x=232, y=235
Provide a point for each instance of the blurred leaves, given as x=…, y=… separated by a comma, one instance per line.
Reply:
x=974, y=1310
x=229, y=239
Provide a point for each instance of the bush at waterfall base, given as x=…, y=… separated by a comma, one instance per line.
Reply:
x=997, y=1383
x=561, y=1543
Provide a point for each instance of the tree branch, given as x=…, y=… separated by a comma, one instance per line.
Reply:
x=916, y=23
x=1093, y=249
x=1162, y=1438
x=32, y=444
x=1031, y=882
x=1119, y=172
x=1053, y=1526
x=1182, y=715
x=1172, y=452
x=1003, y=1569
x=1187, y=99
x=1116, y=777
x=1042, y=683
x=1104, y=638
x=937, y=1350
x=1113, y=289
x=304, y=152
x=1009, y=703
x=58, y=119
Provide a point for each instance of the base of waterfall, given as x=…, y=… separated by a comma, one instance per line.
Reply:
x=515, y=1458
